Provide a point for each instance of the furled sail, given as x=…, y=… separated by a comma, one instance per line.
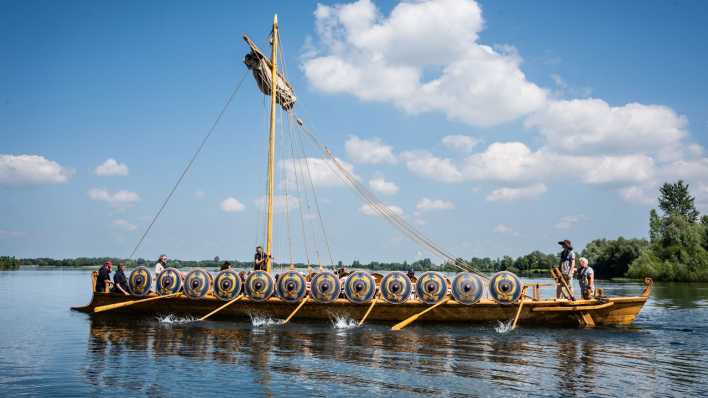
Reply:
x=260, y=65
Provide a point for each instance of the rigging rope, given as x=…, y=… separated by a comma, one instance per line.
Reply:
x=189, y=165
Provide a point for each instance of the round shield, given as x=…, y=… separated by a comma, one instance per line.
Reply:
x=325, y=287
x=360, y=287
x=227, y=285
x=169, y=281
x=197, y=284
x=467, y=288
x=259, y=285
x=431, y=287
x=396, y=287
x=140, y=281
x=292, y=286
x=505, y=287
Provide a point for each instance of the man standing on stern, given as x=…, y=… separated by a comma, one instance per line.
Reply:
x=566, y=266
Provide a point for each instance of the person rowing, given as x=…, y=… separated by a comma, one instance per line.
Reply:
x=260, y=260
x=120, y=282
x=104, y=277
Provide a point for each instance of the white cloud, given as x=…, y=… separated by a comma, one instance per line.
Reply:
x=591, y=125
x=372, y=151
x=323, y=172
x=232, y=205
x=111, y=167
x=124, y=225
x=383, y=187
x=503, y=229
x=568, y=222
x=8, y=234
x=31, y=169
x=511, y=194
x=199, y=194
x=118, y=199
x=459, y=143
x=425, y=164
x=426, y=204
x=639, y=194
x=281, y=203
x=385, y=58
x=371, y=211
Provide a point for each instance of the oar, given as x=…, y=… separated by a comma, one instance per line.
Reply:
x=411, y=319
x=371, y=307
x=292, y=314
x=228, y=303
x=521, y=305
x=109, y=307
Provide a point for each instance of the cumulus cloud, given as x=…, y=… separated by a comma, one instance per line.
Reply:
x=281, y=203
x=31, y=169
x=383, y=187
x=426, y=204
x=568, y=222
x=503, y=229
x=639, y=194
x=423, y=56
x=370, y=211
x=511, y=194
x=372, y=151
x=119, y=199
x=124, y=225
x=111, y=167
x=425, y=164
x=232, y=205
x=459, y=143
x=323, y=172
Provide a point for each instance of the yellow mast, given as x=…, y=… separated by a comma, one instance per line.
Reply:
x=271, y=142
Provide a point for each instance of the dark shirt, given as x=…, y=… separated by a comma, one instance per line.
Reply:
x=259, y=257
x=119, y=279
x=103, y=275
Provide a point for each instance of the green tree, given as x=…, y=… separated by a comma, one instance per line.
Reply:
x=611, y=258
x=674, y=199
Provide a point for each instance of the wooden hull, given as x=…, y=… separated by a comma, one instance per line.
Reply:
x=608, y=312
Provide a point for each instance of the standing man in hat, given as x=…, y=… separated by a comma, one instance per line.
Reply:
x=566, y=266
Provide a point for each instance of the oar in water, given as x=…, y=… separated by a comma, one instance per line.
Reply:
x=368, y=311
x=292, y=314
x=109, y=307
x=412, y=318
x=228, y=303
x=521, y=305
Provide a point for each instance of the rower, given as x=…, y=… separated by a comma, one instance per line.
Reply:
x=586, y=278
x=120, y=282
x=225, y=265
x=160, y=266
x=104, y=277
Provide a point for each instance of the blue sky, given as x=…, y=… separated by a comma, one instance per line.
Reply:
x=561, y=120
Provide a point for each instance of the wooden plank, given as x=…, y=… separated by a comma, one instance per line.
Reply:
x=573, y=308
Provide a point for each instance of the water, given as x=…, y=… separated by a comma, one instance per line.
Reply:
x=47, y=350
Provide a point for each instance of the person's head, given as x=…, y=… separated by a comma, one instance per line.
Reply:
x=565, y=244
x=583, y=262
x=121, y=267
x=259, y=249
x=227, y=264
x=163, y=258
x=108, y=264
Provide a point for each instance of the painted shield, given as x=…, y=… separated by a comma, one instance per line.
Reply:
x=467, y=288
x=140, y=281
x=396, y=287
x=227, y=285
x=360, y=287
x=169, y=281
x=259, y=285
x=505, y=287
x=431, y=287
x=325, y=287
x=197, y=284
x=292, y=286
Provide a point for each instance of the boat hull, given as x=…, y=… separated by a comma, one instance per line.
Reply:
x=613, y=311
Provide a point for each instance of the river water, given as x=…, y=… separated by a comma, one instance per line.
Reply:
x=48, y=350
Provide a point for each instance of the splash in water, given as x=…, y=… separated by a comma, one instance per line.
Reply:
x=343, y=322
x=503, y=327
x=263, y=321
x=172, y=319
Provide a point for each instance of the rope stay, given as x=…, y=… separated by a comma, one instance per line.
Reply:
x=189, y=165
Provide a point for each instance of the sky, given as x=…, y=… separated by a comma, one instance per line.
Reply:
x=495, y=128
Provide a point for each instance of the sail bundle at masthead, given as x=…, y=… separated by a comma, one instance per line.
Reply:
x=261, y=67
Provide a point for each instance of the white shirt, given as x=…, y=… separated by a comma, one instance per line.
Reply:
x=158, y=269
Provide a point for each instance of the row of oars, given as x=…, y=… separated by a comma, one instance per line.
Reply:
x=397, y=326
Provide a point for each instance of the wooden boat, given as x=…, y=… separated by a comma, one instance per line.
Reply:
x=360, y=296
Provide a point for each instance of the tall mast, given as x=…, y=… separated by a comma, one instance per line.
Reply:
x=271, y=142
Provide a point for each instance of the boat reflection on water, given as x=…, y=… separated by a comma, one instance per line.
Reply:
x=424, y=360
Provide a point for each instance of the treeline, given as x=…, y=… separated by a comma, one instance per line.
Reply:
x=9, y=263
